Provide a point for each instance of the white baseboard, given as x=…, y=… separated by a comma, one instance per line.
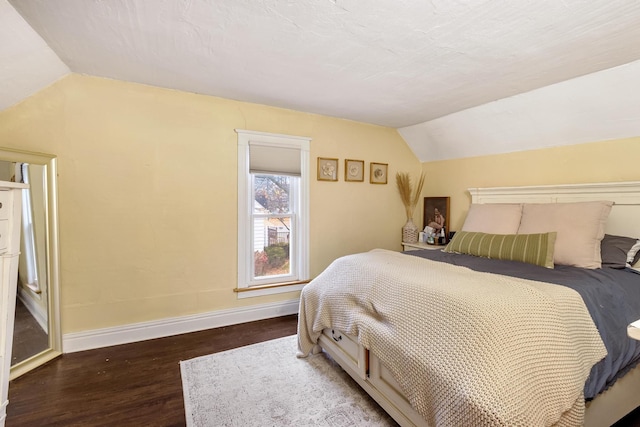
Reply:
x=88, y=340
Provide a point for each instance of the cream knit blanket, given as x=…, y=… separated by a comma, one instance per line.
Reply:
x=468, y=348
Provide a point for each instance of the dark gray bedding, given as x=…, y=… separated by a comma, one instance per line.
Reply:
x=612, y=296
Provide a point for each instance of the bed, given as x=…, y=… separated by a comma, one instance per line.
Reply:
x=575, y=355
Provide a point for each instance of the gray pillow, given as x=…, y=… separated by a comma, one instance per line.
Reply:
x=619, y=251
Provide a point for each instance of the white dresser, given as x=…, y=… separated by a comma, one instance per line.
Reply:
x=10, y=220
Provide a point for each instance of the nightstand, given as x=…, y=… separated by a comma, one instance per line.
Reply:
x=633, y=330
x=418, y=246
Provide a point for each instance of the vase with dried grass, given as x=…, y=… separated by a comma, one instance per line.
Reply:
x=409, y=196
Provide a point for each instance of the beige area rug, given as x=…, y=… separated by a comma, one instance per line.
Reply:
x=266, y=385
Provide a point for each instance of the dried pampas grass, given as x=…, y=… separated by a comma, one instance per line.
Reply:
x=409, y=195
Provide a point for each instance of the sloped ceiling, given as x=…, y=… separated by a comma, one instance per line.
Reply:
x=27, y=64
x=396, y=63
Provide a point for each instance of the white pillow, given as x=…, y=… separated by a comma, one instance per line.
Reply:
x=580, y=228
x=631, y=255
x=635, y=266
x=493, y=218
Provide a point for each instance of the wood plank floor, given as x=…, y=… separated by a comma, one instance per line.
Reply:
x=135, y=384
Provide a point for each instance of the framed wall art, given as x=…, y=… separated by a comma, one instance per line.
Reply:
x=327, y=169
x=354, y=170
x=436, y=213
x=378, y=173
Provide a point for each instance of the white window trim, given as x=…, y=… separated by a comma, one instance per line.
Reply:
x=245, y=203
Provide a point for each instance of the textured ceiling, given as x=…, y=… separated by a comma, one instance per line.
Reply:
x=389, y=62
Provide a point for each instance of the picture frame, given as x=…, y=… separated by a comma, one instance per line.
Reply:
x=354, y=170
x=327, y=169
x=436, y=213
x=378, y=173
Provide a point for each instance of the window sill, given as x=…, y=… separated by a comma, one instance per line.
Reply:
x=270, y=289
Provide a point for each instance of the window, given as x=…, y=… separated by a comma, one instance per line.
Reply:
x=274, y=225
x=28, y=246
x=273, y=218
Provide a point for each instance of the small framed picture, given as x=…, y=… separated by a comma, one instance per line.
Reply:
x=354, y=170
x=378, y=173
x=327, y=169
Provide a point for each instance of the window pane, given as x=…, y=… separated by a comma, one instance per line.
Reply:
x=271, y=193
x=271, y=249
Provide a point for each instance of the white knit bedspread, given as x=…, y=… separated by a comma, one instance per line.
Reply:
x=468, y=348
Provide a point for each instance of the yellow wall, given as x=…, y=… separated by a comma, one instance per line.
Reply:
x=607, y=161
x=147, y=194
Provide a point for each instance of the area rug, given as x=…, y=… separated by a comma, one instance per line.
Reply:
x=266, y=385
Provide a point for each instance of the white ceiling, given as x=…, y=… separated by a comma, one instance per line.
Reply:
x=27, y=64
x=398, y=63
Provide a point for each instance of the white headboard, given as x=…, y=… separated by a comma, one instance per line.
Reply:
x=624, y=219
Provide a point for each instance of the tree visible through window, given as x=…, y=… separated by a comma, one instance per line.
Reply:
x=273, y=211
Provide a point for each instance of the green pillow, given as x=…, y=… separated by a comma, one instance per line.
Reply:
x=534, y=249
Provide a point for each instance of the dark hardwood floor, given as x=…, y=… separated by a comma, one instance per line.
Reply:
x=135, y=384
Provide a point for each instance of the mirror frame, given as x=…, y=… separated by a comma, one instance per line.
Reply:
x=52, y=258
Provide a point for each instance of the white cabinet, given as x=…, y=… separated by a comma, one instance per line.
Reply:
x=10, y=220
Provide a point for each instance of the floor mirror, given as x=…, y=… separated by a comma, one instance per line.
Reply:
x=37, y=336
